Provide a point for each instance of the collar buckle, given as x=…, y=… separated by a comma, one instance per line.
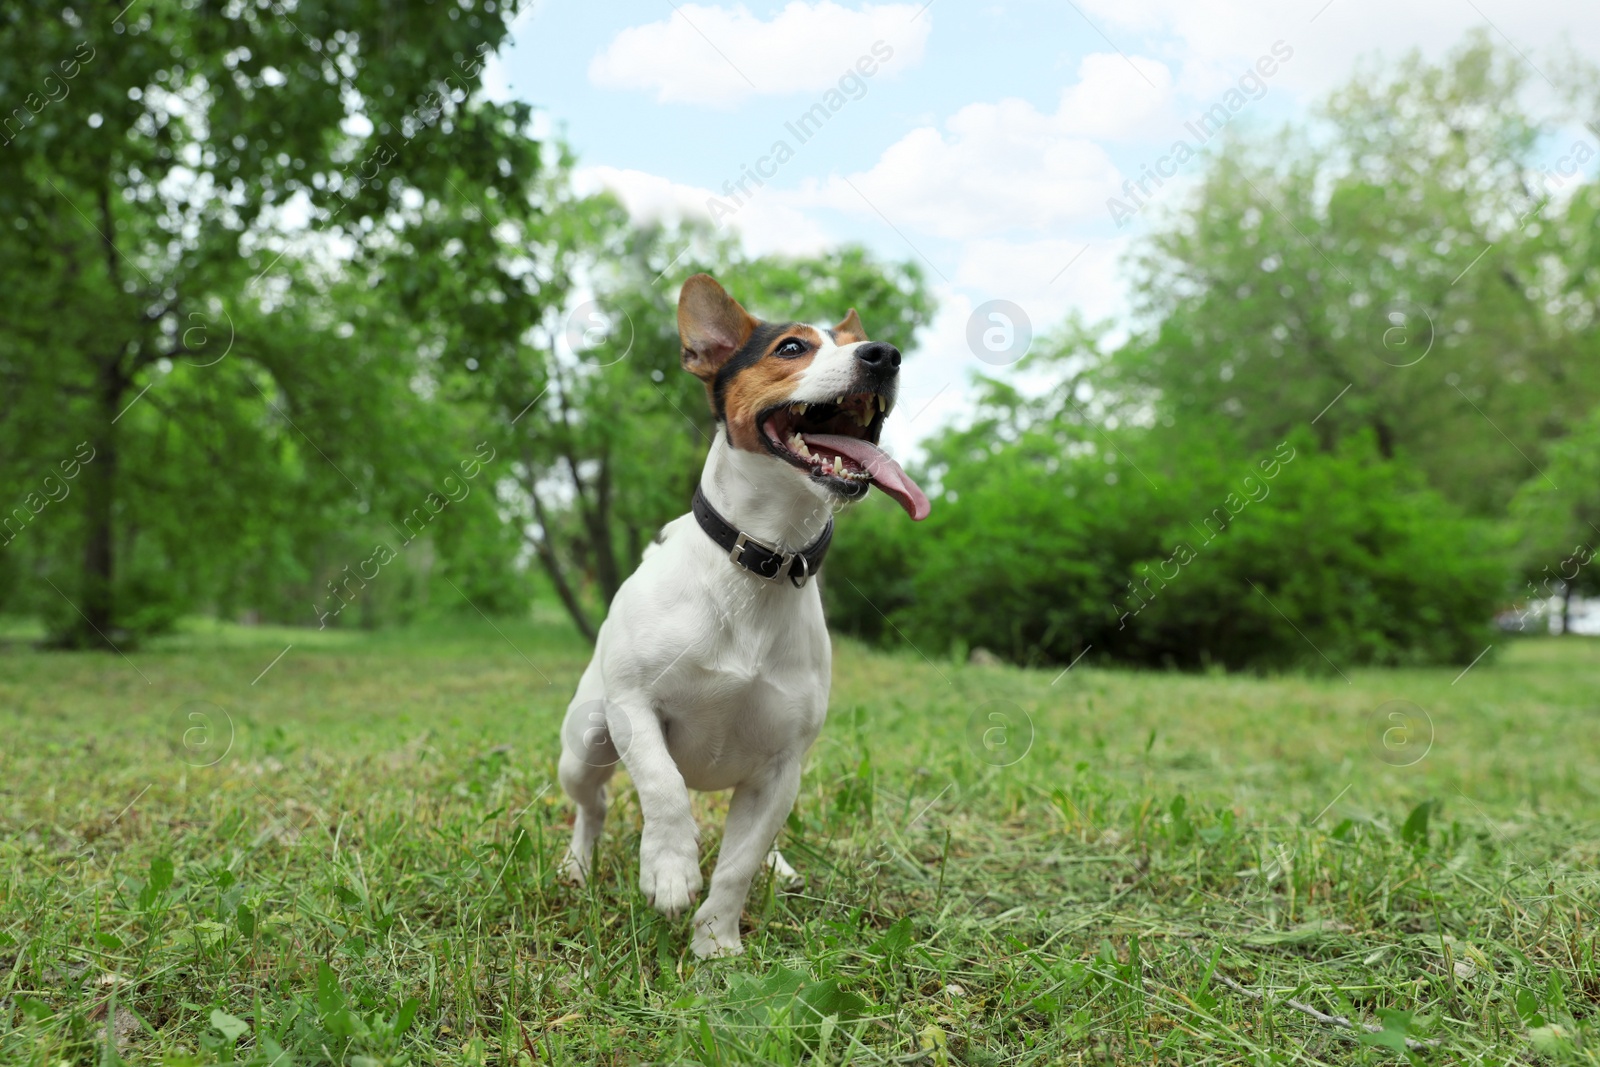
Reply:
x=758, y=557
x=736, y=555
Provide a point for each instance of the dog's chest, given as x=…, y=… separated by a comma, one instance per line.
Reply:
x=759, y=688
x=723, y=726
x=765, y=663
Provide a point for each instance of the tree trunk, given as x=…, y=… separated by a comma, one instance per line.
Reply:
x=569, y=600
x=545, y=549
x=97, y=595
x=1385, y=438
x=1566, y=606
x=600, y=539
x=97, y=612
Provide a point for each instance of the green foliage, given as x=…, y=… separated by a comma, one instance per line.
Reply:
x=1156, y=549
x=246, y=384
x=1409, y=258
x=1403, y=303
x=268, y=418
x=1343, y=558
x=612, y=423
x=264, y=404
x=1556, y=518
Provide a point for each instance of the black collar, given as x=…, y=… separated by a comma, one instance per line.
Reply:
x=758, y=557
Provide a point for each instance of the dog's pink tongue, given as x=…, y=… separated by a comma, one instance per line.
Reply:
x=886, y=473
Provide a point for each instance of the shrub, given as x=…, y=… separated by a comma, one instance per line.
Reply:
x=1167, y=551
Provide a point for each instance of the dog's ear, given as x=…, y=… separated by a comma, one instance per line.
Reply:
x=850, y=330
x=711, y=325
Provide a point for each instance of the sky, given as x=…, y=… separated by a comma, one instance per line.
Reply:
x=990, y=142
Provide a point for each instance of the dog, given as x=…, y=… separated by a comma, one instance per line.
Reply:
x=713, y=666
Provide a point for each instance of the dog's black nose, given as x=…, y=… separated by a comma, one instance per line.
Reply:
x=879, y=356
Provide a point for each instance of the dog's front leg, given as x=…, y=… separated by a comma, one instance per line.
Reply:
x=755, y=815
x=669, y=851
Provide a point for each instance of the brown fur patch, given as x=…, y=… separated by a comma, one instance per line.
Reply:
x=850, y=330
x=711, y=326
x=766, y=383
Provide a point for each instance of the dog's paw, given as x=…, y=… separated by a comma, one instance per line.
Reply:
x=573, y=871
x=713, y=938
x=785, y=877
x=708, y=946
x=670, y=882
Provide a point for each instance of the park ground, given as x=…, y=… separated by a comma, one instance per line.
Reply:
x=268, y=845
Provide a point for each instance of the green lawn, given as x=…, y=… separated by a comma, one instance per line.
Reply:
x=350, y=858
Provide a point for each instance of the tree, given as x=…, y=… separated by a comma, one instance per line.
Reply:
x=1400, y=275
x=1390, y=300
x=207, y=208
x=607, y=432
x=1557, y=515
x=1057, y=536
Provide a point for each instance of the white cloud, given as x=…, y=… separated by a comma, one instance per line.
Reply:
x=1215, y=39
x=1007, y=167
x=497, y=85
x=936, y=379
x=1047, y=278
x=767, y=224
x=718, y=56
x=1115, y=97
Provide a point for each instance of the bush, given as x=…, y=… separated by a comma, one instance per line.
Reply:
x=1368, y=565
x=1291, y=558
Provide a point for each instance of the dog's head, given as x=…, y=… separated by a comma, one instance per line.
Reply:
x=811, y=399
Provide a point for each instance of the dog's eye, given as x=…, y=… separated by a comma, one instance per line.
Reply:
x=791, y=346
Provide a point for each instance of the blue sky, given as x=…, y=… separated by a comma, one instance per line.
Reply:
x=987, y=145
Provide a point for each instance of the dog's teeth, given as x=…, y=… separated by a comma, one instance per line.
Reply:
x=800, y=409
x=880, y=402
x=838, y=465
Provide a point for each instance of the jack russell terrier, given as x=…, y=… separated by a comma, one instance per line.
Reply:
x=712, y=668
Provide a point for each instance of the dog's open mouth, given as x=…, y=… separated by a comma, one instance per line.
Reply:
x=837, y=443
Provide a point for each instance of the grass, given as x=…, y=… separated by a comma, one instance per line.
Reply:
x=347, y=856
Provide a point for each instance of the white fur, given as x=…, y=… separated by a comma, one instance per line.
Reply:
x=708, y=677
x=832, y=372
